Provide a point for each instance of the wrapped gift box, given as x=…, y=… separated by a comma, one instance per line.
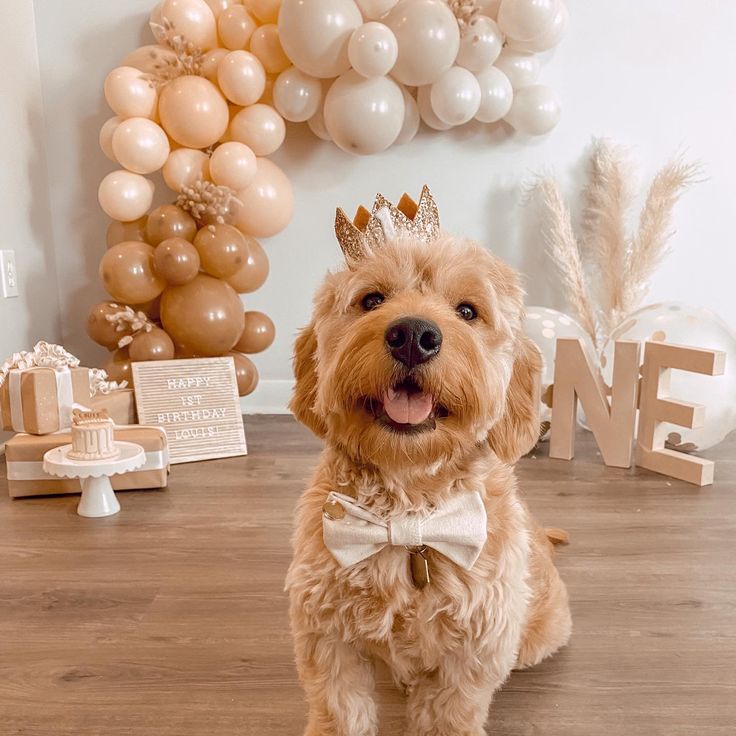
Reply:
x=24, y=456
x=120, y=405
x=39, y=400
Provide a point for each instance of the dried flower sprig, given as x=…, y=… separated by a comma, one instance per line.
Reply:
x=186, y=60
x=465, y=11
x=131, y=322
x=208, y=203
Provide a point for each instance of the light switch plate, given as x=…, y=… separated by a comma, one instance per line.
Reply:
x=8, y=274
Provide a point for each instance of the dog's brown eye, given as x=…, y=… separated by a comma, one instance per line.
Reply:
x=372, y=300
x=466, y=311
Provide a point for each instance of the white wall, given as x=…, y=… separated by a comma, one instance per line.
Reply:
x=656, y=75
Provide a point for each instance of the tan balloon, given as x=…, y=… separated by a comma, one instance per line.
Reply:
x=129, y=94
x=125, y=196
x=235, y=26
x=194, y=20
x=184, y=166
x=149, y=58
x=267, y=204
x=203, y=317
x=128, y=275
x=176, y=260
x=210, y=61
x=241, y=77
x=255, y=271
x=151, y=309
x=106, y=132
x=246, y=373
x=260, y=127
x=153, y=345
x=140, y=145
x=100, y=329
x=117, y=232
x=193, y=112
x=169, y=221
x=222, y=250
x=258, y=333
x=233, y=165
x=267, y=96
x=265, y=44
x=118, y=367
x=267, y=11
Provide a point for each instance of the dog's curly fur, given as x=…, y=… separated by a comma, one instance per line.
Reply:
x=452, y=644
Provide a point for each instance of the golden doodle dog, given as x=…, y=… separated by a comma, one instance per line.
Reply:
x=411, y=544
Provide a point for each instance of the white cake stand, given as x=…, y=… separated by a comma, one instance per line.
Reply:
x=98, y=498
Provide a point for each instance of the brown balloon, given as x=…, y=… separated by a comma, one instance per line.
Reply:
x=151, y=309
x=118, y=232
x=101, y=330
x=118, y=367
x=169, y=221
x=245, y=372
x=153, y=345
x=222, y=250
x=255, y=271
x=176, y=260
x=258, y=333
x=128, y=275
x=203, y=317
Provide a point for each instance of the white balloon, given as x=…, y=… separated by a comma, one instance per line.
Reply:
x=455, y=96
x=411, y=119
x=140, y=145
x=535, y=110
x=428, y=37
x=373, y=50
x=424, y=104
x=106, y=132
x=526, y=19
x=315, y=34
x=480, y=44
x=374, y=9
x=682, y=324
x=364, y=115
x=296, y=95
x=521, y=68
x=317, y=125
x=496, y=95
x=550, y=38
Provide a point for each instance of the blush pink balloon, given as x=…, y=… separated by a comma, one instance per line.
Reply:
x=140, y=145
x=233, y=165
x=260, y=127
x=128, y=94
x=267, y=204
x=194, y=20
x=236, y=26
x=184, y=166
x=241, y=77
x=106, y=132
x=125, y=196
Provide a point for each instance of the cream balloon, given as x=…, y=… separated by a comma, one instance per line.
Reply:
x=125, y=196
x=129, y=94
x=194, y=20
x=296, y=95
x=140, y=145
x=315, y=35
x=455, y=96
x=424, y=105
x=184, y=166
x=496, y=95
x=535, y=110
x=266, y=45
x=193, y=112
x=211, y=61
x=521, y=68
x=106, y=133
x=235, y=26
x=241, y=77
x=267, y=204
x=526, y=19
x=429, y=39
x=375, y=9
x=410, y=126
x=362, y=115
x=550, y=38
x=373, y=50
x=317, y=125
x=260, y=127
x=233, y=165
x=480, y=44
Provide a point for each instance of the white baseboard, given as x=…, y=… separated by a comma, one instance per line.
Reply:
x=270, y=397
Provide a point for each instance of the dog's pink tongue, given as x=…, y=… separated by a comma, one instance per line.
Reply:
x=406, y=408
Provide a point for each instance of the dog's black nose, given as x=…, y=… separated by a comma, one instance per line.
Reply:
x=412, y=340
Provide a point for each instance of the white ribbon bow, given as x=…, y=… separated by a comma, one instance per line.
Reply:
x=457, y=529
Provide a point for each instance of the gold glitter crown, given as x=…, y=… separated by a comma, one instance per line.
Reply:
x=368, y=231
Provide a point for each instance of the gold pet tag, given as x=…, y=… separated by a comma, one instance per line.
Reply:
x=419, y=566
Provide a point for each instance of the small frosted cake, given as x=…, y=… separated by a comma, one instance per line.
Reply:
x=92, y=436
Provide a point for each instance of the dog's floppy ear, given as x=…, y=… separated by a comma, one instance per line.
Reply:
x=517, y=431
x=305, y=388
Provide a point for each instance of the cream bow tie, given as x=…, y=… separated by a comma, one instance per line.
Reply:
x=457, y=529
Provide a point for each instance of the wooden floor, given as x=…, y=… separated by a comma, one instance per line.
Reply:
x=169, y=619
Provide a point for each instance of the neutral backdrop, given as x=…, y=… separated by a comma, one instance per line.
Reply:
x=657, y=75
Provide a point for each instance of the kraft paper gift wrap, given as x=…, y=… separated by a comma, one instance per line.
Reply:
x=39, y=400
x=24, y=455
x=120, y=405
